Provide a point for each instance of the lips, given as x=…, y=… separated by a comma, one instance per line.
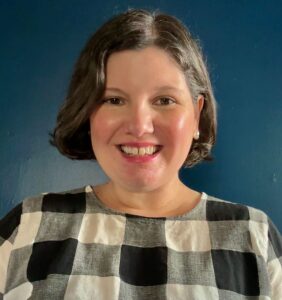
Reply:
x=139, y=150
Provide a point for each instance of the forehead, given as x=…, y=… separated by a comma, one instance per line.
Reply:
x=150, y=65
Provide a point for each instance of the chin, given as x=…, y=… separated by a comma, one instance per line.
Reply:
x=139, y=186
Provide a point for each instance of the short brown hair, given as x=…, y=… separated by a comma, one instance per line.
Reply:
x=134, y=29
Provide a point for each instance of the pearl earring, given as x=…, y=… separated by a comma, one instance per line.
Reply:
x=196, y=135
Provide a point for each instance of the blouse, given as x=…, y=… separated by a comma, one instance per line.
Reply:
x=70, y=246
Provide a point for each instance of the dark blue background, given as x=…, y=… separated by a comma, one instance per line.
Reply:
x=40, y=41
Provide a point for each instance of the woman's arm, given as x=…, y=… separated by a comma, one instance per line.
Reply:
x=275, y=261
x=8, y=230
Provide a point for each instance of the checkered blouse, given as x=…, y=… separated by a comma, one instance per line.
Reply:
x=69, y=246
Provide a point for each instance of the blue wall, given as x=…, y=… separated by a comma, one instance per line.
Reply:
x=40, y=41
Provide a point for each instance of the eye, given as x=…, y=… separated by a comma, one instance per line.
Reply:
x=165, y=101
x=113, y=101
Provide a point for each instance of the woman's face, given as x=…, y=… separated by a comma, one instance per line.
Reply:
x=142, y=132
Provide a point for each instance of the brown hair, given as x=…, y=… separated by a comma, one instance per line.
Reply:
x=134, y=29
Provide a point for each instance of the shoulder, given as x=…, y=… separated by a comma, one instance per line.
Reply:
x=242, y=223
x=65, y=201
x=223, y=210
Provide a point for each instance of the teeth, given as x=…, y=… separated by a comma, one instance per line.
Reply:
x=139, y=151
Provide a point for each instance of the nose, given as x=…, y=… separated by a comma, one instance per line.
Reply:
x=139, y=121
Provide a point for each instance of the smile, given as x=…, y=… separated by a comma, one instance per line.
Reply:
x=139, y=151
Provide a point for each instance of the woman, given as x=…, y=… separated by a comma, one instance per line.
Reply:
x=141, y=103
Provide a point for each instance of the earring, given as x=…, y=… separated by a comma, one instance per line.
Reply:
x=196, y=135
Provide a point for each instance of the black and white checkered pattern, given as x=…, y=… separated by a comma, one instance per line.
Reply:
x=69, y=246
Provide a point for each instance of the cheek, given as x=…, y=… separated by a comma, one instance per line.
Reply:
x=102, y=127
x=180, y=130
x=98, y=126
x=96, y=123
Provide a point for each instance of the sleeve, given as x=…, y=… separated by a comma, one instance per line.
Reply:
x=274, y=263
x=8, y=230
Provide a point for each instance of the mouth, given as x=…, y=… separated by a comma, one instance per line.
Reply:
x=139, y=151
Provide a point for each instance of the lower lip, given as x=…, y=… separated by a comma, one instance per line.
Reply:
x=139, y=158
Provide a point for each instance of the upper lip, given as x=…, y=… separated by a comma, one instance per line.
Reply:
x=139, y=144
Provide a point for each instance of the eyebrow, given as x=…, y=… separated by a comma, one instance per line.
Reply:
x=113, y=89
x=157, y=89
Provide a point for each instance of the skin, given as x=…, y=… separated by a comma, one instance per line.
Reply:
x=146, y=100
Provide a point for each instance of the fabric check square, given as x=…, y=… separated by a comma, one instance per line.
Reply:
x=196, y=236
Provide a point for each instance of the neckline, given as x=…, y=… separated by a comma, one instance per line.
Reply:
x=91, y=192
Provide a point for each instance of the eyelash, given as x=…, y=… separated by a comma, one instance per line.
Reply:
x=113, y=101
x=110, y=100
x=167, y=99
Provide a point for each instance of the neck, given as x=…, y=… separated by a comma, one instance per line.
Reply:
x=171, y=200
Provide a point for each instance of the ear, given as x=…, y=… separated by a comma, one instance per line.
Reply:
x=199, y=106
